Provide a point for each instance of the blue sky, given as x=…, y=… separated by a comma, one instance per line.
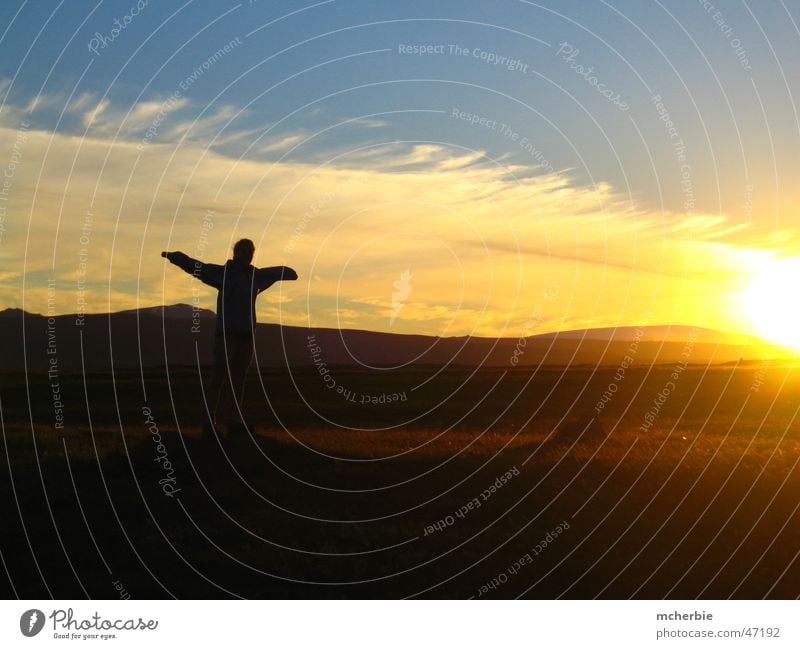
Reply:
x=689, y=61
x=312, y=97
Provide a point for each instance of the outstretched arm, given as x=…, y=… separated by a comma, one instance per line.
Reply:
x=211, y=274
x=266, y=277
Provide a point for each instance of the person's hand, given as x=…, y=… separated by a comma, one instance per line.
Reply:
x=165, y=254
x=289, y=273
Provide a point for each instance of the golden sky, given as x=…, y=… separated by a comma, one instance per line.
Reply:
x=490, y=248
x=435, y=168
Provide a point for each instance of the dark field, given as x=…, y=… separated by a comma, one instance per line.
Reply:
x=460, y=490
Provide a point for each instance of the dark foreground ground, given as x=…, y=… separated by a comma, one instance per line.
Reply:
x=479, y=483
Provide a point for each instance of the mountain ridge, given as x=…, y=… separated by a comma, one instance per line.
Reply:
x=659, y=332
x=181, y=335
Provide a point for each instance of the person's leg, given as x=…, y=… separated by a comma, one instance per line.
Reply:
x=241, y=358
x=216, y=388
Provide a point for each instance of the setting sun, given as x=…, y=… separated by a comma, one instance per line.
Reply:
x=773, y=312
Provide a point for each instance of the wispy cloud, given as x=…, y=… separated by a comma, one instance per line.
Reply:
x=482, y=239
x=92, y=116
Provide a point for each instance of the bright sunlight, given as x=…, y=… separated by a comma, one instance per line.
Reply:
x=769, y=303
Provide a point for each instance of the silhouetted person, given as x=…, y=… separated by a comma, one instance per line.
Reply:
x=238, y=283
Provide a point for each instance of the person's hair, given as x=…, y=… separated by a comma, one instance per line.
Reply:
x=243, y=246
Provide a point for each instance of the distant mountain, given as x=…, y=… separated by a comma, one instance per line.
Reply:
x=182, y=311
x=178, y=335
x=659, y=333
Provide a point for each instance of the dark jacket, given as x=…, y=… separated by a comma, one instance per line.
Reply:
x=238, y=287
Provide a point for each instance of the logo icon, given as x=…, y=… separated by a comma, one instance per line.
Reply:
x=31, y=622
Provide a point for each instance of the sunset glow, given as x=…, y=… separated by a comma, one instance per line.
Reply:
x=529, y=164
x=773, y=312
